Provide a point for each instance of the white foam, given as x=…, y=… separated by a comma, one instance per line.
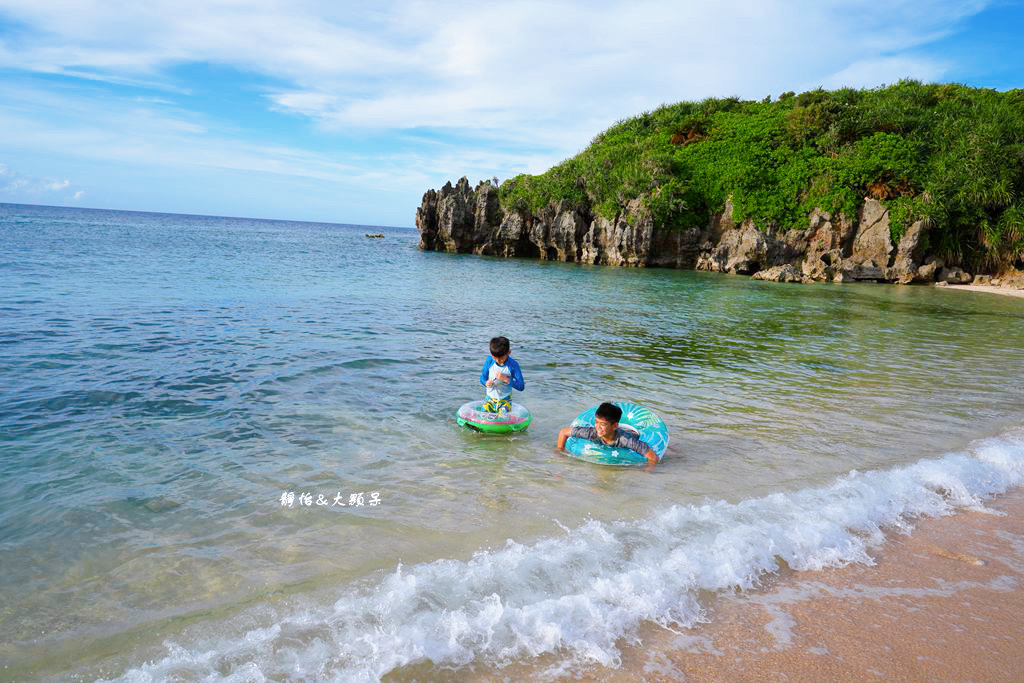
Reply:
x=575, y=595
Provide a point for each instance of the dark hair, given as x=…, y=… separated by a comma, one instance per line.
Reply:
x=609, y=411
x=499, y=346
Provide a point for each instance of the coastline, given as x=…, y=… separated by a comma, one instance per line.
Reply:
x=943, y=603
x=991, y=289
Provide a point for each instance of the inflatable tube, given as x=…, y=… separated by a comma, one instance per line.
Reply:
x=650, y=428
x=472, y=416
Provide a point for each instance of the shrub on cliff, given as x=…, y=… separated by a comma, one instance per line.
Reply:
x=948, y=153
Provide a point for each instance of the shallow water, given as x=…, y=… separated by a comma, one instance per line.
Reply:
x=165, y=380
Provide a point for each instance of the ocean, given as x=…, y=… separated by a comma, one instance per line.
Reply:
x=228, y=447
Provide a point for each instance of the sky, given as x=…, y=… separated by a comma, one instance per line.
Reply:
x=348, y=112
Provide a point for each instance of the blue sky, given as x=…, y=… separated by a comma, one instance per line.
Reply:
x=330, y=111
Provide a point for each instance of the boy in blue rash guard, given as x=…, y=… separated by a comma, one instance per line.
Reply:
x=606, y=431
x=500, y=375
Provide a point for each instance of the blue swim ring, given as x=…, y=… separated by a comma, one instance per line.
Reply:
x=635, y=417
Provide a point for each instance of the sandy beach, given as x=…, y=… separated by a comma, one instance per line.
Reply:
x=1005, y=291
x=943, y=603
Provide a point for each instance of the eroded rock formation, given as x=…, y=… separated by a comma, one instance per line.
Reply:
x=462, y=219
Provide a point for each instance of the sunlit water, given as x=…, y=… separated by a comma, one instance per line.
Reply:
x=171, y=387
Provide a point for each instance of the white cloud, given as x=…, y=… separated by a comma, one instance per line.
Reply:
x=468, y=88
x=413, y=64
x=103, y=130
x=14, y=183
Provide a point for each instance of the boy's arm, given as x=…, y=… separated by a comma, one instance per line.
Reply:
x=563, y=436
x=642, y=447
x=516, y=380
x=483, y=373
x=648, y=452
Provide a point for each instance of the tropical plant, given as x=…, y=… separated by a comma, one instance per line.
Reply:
x=949, y=154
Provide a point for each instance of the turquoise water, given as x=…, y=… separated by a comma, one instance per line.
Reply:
x=167, y=381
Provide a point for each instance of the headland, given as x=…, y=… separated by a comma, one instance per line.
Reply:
x=907, y=184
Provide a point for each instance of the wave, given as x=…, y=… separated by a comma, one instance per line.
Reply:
x=574, y=596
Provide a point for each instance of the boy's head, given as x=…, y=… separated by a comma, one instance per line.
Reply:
x=609, y=412
x=607, y=420
x=499, y=347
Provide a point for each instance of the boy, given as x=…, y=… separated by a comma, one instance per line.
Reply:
x=606, y=431
x=500, y=375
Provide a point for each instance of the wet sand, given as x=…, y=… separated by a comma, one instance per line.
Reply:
x=945, y=603
x=1005, y=291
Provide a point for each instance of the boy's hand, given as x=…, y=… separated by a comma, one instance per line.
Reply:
x=504, y=379
x=490, y=383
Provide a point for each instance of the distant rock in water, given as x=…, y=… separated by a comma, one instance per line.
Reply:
x=377, y=236
x=837, y=248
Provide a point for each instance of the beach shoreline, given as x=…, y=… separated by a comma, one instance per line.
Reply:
x=942, y=603
x=990, y=289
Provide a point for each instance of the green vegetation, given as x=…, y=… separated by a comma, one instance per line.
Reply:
x=947, y=153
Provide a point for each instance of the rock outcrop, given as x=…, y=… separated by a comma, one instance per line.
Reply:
x=871, y=243
x=905, y=268
x=954, y=276
x=835, y=248
x=784, y=273
x=827, y=241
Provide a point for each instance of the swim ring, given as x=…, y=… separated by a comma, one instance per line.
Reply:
x=473, y=416
x=635, y=417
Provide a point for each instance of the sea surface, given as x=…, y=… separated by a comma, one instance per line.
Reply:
x=228, y=448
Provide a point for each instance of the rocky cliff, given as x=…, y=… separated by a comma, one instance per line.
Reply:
x=462, y=219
